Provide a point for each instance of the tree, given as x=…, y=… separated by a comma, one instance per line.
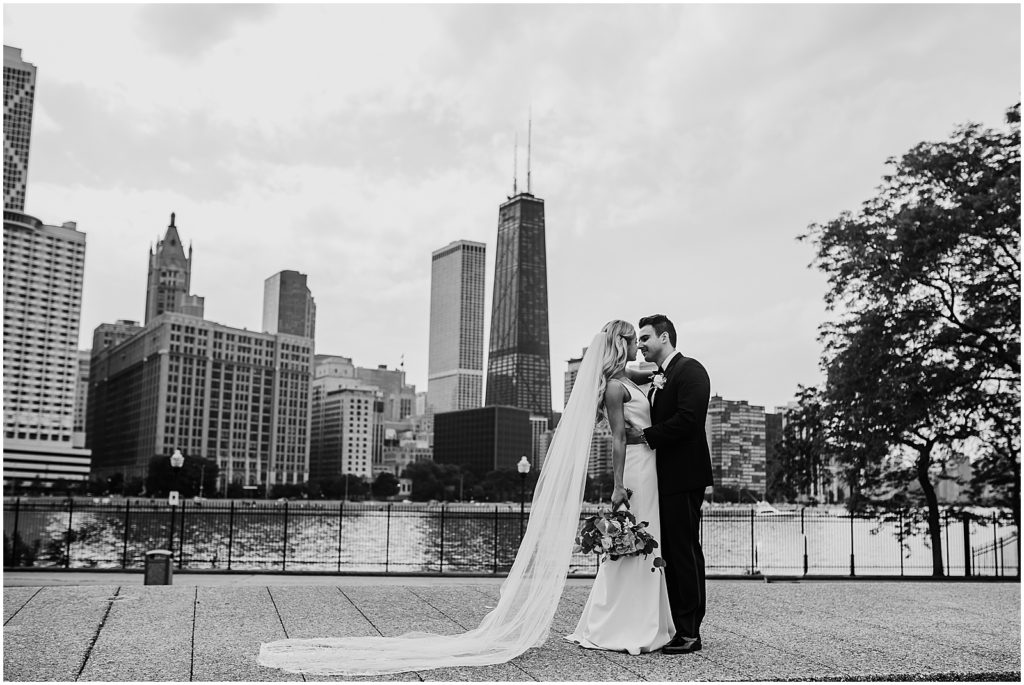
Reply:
x=385, y=485
x=924, y=358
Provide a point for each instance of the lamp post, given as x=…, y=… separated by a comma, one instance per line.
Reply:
x=177, y=461
x=524, y=468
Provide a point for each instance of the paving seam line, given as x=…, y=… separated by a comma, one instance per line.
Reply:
x=92, y=643
x=528, y=674
x=25, y=604
x=598, y=652
x=279, y=619
x=372, y=625
x=192, y=655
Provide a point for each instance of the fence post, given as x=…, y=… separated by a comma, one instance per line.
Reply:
x=805, y=554
x=967, y=545
x=231, y=531
x=753, y=561
x=341, y=524
x=127, y=517
x=852, y=565
x=946, y=528
x=901, y=542
x=71, y=514
x=441, y=560
x=387, y=542
x=995, y=542
x=14, y=536
x=284, y=552
x=181, y=538
x=495, y=570
x=170, y=541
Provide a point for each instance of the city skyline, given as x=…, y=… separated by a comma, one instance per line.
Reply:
x=717, y=131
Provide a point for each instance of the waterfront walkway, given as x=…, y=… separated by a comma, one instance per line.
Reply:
x=111, y=627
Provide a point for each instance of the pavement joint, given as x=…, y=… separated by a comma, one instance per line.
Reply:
x=192, y=645
x=25, y=604
x=96, y=635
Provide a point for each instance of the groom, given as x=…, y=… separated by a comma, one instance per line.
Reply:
x=680, y=390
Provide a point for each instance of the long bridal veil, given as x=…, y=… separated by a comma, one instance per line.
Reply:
x=530, y=593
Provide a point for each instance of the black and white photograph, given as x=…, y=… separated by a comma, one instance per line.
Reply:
x=522, y=342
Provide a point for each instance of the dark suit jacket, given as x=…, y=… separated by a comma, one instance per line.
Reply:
x=677, y=432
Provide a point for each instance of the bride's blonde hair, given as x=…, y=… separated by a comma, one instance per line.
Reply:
x=616, y=346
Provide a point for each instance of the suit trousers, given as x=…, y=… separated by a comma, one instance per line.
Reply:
x=684, y=560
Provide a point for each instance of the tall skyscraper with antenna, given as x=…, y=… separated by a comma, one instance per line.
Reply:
x=519, y=363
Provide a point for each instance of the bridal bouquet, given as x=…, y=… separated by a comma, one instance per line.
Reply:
x=615, y=534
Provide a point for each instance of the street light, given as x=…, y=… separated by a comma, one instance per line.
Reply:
x=177, y=461
x=524, y=468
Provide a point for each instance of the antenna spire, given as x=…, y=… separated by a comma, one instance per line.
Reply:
x=529, y=140
x=515, y=165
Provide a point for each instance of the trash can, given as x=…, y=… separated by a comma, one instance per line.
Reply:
x=158, y=567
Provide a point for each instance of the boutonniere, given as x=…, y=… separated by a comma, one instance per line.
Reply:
x=658, y=380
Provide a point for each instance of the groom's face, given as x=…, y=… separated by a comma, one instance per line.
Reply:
x=651, y=345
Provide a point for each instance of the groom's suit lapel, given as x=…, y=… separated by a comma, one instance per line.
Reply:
x=653, y=396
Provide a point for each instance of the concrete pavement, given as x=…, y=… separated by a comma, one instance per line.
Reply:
x=110, y=627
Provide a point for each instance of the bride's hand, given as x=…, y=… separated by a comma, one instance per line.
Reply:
x=619, y=496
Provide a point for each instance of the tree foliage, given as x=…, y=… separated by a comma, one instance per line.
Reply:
x=923, y=357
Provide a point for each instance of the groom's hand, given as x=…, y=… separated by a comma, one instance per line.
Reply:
x=634, y=436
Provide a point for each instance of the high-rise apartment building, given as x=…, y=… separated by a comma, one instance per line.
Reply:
x=456, y=354
x=346, y=433
x=519, y=363
x=169, y=279
x=343, y=427
x=736, y=436
x=288, y=306
x=19, y=99
x=237, y=397
x=43, y=271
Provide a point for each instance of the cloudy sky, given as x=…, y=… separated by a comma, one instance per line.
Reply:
x=680, y=150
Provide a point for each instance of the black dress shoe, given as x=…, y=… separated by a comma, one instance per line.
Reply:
x=682, y=645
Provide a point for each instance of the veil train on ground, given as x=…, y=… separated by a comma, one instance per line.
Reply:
x=530, y=593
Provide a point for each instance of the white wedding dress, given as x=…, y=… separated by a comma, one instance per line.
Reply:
x=628, y=609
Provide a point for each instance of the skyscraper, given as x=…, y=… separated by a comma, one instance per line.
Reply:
x=519, y=364
x=169, y=278
x=736, y=434
x=43, y=271
x=288, y=306
x=19, y=97
x=456, y=362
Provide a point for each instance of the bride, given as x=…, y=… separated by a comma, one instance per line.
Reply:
x=531, y=592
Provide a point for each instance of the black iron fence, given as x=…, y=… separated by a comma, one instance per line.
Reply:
x=382, y=537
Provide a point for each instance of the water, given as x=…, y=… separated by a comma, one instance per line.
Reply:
x=419, y=538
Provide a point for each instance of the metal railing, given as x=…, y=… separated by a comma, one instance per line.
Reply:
x=383, y=537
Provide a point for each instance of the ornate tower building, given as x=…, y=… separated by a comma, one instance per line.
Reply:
x=169, y=278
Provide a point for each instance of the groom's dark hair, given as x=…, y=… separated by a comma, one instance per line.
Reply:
x=660, y=324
